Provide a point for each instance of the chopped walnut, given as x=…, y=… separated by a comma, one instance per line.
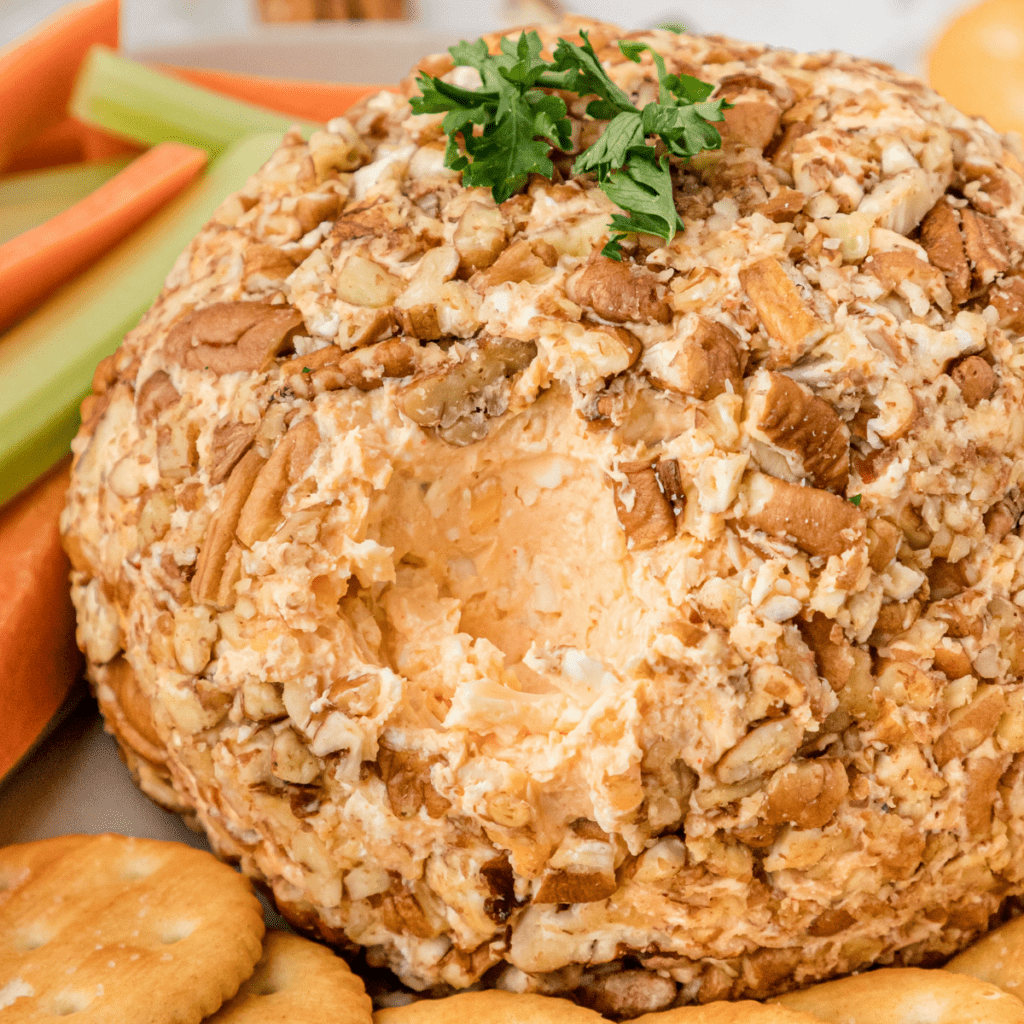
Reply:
x=365, y=368
x=154, y=395
x=479, y=237
x=807, y=793
x=521, y=261
x=940, y=236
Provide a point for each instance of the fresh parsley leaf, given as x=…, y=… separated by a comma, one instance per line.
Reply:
x=855, y=500
x=502, y=132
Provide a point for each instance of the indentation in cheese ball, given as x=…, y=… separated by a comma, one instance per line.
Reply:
x=648, y=631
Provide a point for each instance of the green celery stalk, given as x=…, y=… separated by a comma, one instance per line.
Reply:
x=137, y=103
x=47, y=360
x=33, y=197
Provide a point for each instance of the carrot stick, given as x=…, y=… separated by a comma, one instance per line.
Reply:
x=316, y=101
x=36, y=73
x=39, y=661
x=68, y=142
x=36, y=262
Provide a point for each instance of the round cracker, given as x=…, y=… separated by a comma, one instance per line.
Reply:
x=745, y=1012
x=492, y=1007
x=300, y=982
x=997, y=958
x=907, y=995
x=112, y=929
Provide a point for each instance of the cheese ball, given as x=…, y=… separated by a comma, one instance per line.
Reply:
x=645, y=630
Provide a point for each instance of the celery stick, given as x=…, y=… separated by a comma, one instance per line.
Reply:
x=33, y=197
x=47, y=361
x=137, y=103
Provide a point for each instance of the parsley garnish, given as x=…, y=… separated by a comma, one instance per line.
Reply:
x=306, y=369
x=509, y=125
x=855, y=500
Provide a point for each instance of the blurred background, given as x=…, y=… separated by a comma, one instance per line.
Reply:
x=376, y=40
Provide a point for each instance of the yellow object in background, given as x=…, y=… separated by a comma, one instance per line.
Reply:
x=978, y=63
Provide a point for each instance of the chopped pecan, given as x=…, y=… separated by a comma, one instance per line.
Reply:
x=946, y=579
x=522, y=261
x=176, y=450
x=971, y=725
x=406, y=775
x=261, y=513
x=817, y=521
x=951, y=659
x=417, y=306
x=267, y=262
x=642, y=507
x=804, y=429
x=704, y=363
x=376, y=219
x=315, y=208
x=671, y=483
x=466, y=391
x=807, y=793
x=340, y=149
x=883, y=543
x=751, y=121
x=575, y=885
x=1004, y=515
x=229, y=443
x=792, y=326
x=836, y=659
x=1008, y=298
x=404, y=913
x=479, y=237
x=941, y=238
x=987, y=245
x=897, y=268
x=291, y=759
x=622, y=995
x=975, y=378
x=155, y=394
x=619, y=292
x=764, y=749
x=366, y=368
x=228, y=337
x=783, y=206
x=361, y=282
x=983, y=774
x=220, y=534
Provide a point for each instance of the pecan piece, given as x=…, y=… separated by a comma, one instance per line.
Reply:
x=818, y=522
x=987, y=245
x=807, y=793
x=155, y=394
x=752, y=120
x=792, y=326
x=479, y=237
x=975, y=378
x=230, y=442
x=971, y=725
x=361, y=282
x=783, y=206
x=620, y=293
x=940, y=236
x=1004, y=515
x=902, y=272
x=406, y=775
x=623, y=995
x=266, y=262
x=417, y=306
x=228, y=337
x=1008, y=298
x=803, y=429
x=467, y=392
x=220, y=534
x=261, y=513
x=835, y=658
x=366, y=368
x=764, y=749
x=575, y=885
x=521, y=261
x=642, y=507
x=704, y=363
